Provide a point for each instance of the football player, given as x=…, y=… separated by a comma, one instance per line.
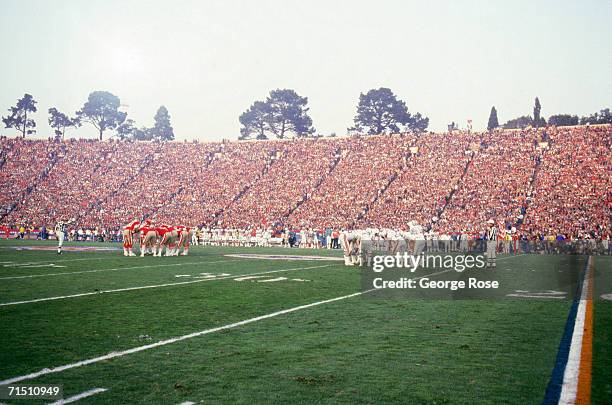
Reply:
x=148, y=238
x=60, y=233
x=128, y=240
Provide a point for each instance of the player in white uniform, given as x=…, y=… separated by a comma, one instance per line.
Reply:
x=416, y=238
x=60, y=233
x=349, y=241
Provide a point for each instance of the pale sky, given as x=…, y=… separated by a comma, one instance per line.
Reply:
x=207, y=61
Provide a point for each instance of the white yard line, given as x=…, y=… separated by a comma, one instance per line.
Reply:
x=153, y=286
x=17, y=264
x=113, y=269
x=271, y=280
x=556, y=297
x=32, y=266
x=80, y=396
x=113, y=355
x=248, y=278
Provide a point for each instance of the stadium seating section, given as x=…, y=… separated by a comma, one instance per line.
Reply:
x=552, y=179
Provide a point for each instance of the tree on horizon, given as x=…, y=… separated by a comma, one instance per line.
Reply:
x=284, y=112
x=493, y=121
x=162, y=130
x=102, y=111
x=380, y=111
x=19, y=119
x=60, y=122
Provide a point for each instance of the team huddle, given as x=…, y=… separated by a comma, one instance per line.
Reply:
x=154, y=238
x=359, y=246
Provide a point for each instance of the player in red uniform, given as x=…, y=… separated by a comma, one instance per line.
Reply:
x=128, y=231
x=148, y=238
x=161, y=231
x=167, y=236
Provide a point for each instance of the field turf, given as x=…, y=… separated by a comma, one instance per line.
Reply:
x=356, y=349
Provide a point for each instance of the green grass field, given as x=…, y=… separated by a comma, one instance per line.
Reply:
x=358, y=349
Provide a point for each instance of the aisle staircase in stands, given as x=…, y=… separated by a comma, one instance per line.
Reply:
x=330, y=172
x=270, y=161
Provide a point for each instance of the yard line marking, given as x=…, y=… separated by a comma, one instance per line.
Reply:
x=113, y=355
x=247, y=278
x=113, y=269
x=32, y=266
x=152, y=286
x=271, y=280
x=536, y=296
x=187, y=403
x=80, y=396
x=54, y=261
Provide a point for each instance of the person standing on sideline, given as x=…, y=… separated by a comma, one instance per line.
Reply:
x=491, y=243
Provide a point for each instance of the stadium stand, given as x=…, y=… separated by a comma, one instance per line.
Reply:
x=426, y=183
x=298, y=167
x=366, y=168
x=495, y=184
x=23, y=165
x=231, y=169
x=454, y=182
x=573, y=182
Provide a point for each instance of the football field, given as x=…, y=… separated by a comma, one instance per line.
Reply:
x=226, y=325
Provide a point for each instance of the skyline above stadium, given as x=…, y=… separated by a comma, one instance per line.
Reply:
x=207, y=62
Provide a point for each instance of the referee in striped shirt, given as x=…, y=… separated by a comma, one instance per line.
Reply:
x=491, y=243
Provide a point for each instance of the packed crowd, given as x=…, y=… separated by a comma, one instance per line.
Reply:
x=209, y=189
x=496, y=182
x=422, y=188
x=540, y=182
x=572, y=187
x=366, y=168
x=72, y=185
x=297, y=168
x=23, y=163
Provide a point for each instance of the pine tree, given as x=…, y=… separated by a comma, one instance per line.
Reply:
x=536, y=113
x=493, y=122
x=162, y=130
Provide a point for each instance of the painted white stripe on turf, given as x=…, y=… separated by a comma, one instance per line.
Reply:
x=536, y=296
x=113, y=355
x=271, y=280
x=34, y=266
x=113, y=269
x=54, y=261
x=187, y=403
x=572, y=368
x=80, y=396
x=247, y=278
x=153, y=286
